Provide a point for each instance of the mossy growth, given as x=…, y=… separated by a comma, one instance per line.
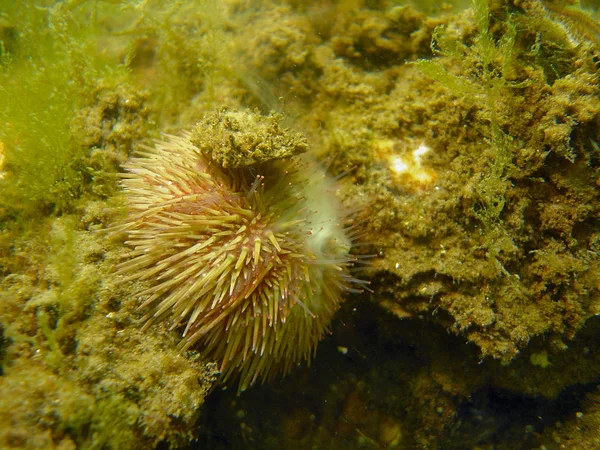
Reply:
x=488, y=70
x=47, y=71
x=497, y=242
x=243, y=138
x=178, y=52
x=488, y=74
x=86, y=373
x=69, y=116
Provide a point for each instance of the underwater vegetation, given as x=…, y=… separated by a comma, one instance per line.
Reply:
x=80, y=373
x=535, y=163
x=579, y=22
x=464, y=138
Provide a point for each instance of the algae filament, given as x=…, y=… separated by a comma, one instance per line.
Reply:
x=47, y=72
x=38, y=104
x=488, y=69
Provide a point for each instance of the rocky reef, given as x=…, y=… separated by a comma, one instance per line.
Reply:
x=465, y=140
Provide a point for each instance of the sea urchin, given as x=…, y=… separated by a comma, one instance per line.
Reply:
x=251, y=260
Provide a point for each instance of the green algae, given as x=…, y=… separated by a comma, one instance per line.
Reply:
x=45, y=79
x=80, y=372
x=72, y=343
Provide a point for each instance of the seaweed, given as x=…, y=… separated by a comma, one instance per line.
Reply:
x=487, y=70
x=580, y=23
x=177, y=52
x=59, y=60
x=71, y=112
x=47, y=70
x=35, y=129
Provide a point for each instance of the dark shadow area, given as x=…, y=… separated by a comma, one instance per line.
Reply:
x=377, y=368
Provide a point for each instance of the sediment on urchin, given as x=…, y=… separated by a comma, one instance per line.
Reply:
x=248, y=262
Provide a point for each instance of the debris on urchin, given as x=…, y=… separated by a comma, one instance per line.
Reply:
x=251, y=262
x=240, y=139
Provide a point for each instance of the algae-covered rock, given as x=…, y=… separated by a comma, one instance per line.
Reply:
x=236, y=139
x=477, y=181
x=79, y=369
